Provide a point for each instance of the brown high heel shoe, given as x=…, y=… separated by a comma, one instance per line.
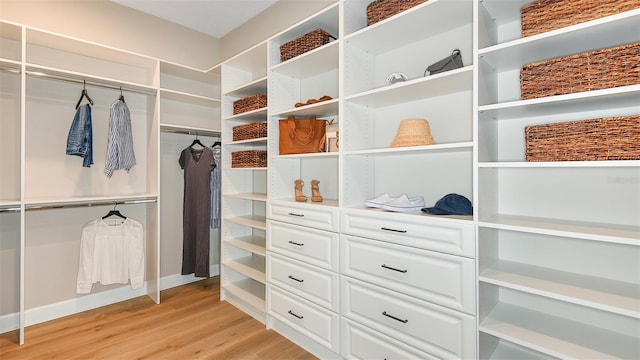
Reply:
x=298, y=191
x=315, y=191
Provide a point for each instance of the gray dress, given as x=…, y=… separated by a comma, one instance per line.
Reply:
x=197, y=165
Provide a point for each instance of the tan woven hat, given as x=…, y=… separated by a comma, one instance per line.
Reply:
x=413, y=132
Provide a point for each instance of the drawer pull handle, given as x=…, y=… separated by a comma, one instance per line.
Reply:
x=295, y=243
x=394, y=230
x=294, y=314
x=298, y=215
x=295, y=279
x=392, y=268
x=395, y=318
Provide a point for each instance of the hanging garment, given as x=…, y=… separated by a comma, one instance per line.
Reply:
x=197, y=166
x=120, y=146
x=216, y=181
x=80, y=138
x=111, y=252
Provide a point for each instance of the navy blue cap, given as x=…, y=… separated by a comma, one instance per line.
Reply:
x=451, y=204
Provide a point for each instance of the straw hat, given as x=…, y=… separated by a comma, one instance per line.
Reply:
x=413, y=132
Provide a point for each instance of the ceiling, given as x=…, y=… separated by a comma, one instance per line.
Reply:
x=212, y=17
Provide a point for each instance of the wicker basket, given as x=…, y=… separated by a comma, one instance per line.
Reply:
x=249, y=158
x=612, y=138
x=253, y=102
x=304, y=43
x=382, y=9
x=249, y=131
x=595, y=70
x=546, y=15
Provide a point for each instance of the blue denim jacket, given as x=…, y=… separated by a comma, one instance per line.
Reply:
x=80, y=139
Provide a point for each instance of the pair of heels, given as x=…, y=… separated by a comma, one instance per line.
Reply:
x=313, y=101
x=315, y=191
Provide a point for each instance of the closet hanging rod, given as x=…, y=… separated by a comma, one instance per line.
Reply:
x=11, y=70
x=210, y=133
x=11, y=209
x=92, y=83
x=89, y=204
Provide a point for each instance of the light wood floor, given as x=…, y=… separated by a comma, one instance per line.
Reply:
x=189, y=323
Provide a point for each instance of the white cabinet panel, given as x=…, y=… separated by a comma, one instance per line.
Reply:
x=320, y=217
x=312, y=246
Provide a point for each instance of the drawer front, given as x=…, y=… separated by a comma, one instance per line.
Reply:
x=316, y=247
x=434, y=329
x=315, y=216
x=317, y=285
x=426, y=232
x=444, y=279
x=362, y=343
x=311, y=320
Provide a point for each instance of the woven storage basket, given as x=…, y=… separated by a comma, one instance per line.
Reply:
x=248, y=158
x=253, y=102
x=382, y=9
x=249, y=131
x=304, y=43
x=546, y=15
x=612, y=138
x=595, y=70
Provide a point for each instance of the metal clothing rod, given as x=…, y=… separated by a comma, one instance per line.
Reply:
x=92, y=83
x=13, y=209
x=210, y=133
x=89, y=204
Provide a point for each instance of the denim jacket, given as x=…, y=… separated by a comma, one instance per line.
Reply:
x=80, y=139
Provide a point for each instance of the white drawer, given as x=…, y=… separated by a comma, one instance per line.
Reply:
x=444, y=279
x=452, y=236
x=311, y=320
x=442, y=332
x=363, y=343
x=316, y=247
x=312, y=215
x=314, y=284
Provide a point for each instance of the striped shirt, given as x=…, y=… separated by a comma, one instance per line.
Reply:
x=120, y=147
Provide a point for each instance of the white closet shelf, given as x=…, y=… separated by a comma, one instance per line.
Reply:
x=436, y=148
x=629, y=235
x=181, y=96
x=190, y=130
x=289, y=200
x=618, y=97
x=88, y=201
x=251, y=88
x=254, y=244
x=246, y=169
x=601, y=33
x=556, y=336
x=258, y=222
x=416, y=89
x=508, y=351
x=310, y=155
x=432, y=17
x=314, y=62
x=11, y=65
x=250, y=266
x=258, y=141
x=560, y=164
x=59, y=74
x=322, y=109
x=249, y=116
x=247, y=196
x=248, y=290
x=504, y=12
x=599, y=293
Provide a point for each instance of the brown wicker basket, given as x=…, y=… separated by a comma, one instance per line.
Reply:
x=249, y=131
x=253, y=102
x=249, y=158
x=612, y=138
x=304, y=43
x=595, y=70
x=546, y=15
x=382, y=9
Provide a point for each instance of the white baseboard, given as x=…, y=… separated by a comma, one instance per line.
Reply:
x=44, y=313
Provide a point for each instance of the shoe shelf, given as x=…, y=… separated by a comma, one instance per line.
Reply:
x=250, y=266
x=250, y=291
x=254, y=244
x=505, y=350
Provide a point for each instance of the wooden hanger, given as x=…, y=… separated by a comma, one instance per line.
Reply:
x=84, y=95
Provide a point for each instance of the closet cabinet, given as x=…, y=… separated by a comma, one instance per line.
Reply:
x=558, y=242
x=244, y=189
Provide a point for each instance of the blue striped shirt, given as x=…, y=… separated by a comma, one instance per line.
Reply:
x=120, y=147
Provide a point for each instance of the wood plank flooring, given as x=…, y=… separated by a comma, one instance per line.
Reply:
x=189, y=323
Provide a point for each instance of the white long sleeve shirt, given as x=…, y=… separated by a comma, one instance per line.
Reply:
x=111, y=252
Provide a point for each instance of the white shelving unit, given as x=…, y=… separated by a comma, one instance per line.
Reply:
x=558, y=241
x=244, y=190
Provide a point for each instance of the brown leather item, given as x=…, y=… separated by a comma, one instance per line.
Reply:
x=302, y=136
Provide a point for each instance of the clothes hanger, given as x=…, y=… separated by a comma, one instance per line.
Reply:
x=114, y=212
x=121, y=98
x=84, y=95
x=196, y=141
x=216, y=143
